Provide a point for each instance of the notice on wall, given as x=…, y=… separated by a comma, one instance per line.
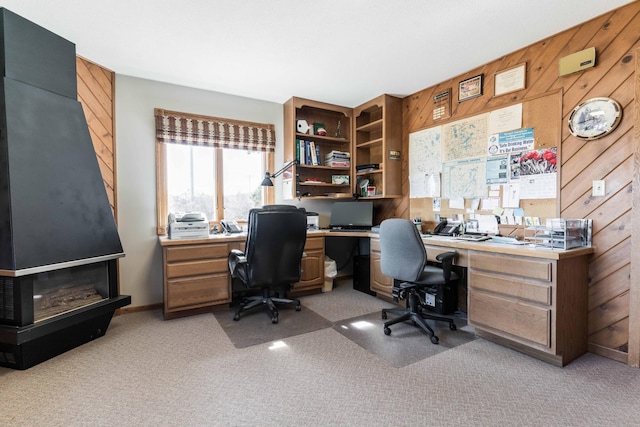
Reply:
x=505, y=119
x=424, y=161
x=497, y=171
x=511, y=142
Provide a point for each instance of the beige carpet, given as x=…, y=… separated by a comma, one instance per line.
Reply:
x=186, y=372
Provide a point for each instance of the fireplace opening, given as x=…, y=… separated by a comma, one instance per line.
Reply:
x=60, y=291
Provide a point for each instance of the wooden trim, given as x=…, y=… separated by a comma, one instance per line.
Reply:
x=634, y=282
x=219, y=183
x=161, y=189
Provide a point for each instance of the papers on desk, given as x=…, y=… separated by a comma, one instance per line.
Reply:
x=508, y=240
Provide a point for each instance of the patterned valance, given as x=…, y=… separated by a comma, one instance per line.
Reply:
x=184, y=128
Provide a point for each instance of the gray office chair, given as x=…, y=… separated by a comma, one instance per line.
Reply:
x=403, y=257
x=271, y=262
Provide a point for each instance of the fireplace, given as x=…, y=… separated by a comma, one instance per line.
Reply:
x=59, y=243
x=46, y=313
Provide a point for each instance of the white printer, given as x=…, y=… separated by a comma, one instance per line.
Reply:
x=188, y=226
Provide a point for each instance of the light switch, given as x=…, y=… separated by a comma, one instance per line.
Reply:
x=598, y=188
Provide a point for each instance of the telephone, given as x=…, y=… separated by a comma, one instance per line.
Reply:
x=230, y=226
x=445, y=229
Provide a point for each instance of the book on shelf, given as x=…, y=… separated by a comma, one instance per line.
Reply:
x=312, y=153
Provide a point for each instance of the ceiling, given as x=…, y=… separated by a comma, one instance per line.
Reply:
x=336, y=51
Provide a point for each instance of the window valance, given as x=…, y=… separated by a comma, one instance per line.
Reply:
x=190, y=129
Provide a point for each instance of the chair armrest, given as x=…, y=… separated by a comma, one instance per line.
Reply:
x=236, y=259
x=447, y=258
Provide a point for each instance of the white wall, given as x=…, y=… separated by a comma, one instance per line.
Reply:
x=141, y=269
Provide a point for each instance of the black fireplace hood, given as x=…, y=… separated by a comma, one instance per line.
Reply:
x=54, y=210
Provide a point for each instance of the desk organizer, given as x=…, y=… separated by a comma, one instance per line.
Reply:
x=560, y=233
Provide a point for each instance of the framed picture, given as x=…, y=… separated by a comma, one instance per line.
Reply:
x=470, y=88
x=510, y=80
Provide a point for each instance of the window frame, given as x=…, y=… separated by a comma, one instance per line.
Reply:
x=161, y=185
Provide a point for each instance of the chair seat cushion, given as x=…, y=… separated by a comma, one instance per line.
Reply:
x=433, y=276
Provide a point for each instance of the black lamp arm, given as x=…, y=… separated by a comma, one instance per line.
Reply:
x=284, y=168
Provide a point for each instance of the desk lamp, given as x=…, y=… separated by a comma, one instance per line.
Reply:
x=266, y=182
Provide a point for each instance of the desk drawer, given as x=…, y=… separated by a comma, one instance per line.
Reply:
x=517, y=318
x=434, y=251
x=196, y=268
x=191, y=252
x=197, y=291
x=513, y=266
x=314, y=243
x=511, y=286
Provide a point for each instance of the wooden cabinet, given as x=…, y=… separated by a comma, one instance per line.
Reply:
x=319, y=180
x=312, y=266
x=378, y=139
x=196, y=275
x=538, y=306
x=379, y=283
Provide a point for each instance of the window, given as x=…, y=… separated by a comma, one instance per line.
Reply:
x=192, y=176
x=210, y=165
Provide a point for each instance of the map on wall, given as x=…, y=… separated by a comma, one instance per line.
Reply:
x=464, y=178
x=465, y=138
x=424, y=161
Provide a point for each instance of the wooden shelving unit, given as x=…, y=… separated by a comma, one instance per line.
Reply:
x=315, y=181
x=378, y=140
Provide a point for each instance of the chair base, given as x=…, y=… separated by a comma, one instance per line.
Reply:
x=266, y=300
x=417, y=314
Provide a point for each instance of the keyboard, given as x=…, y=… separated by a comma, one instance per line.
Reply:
x=473, y=237
x=351, y=230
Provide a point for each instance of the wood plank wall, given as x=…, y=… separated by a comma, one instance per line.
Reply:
x=615, y=36
x=96, y=88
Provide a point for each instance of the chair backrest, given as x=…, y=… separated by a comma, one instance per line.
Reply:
x=275, y=242
x=402, y=252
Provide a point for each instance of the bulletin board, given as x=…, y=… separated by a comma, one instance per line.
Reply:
x=543, y=114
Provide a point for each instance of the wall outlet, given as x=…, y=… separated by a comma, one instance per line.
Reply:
x=598, y=188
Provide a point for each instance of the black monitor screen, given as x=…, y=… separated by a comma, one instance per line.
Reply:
x=352, y=214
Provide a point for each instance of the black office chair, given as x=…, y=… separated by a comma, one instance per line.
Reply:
x=403, y=257
x=276, y=236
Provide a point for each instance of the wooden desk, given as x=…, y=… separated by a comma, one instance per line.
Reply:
x=532, y=299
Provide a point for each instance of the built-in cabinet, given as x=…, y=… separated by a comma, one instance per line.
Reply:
x=377, y=143
x=196, y=272
x=312, y=277
x=336, y=159
x=196, y=275
x=313, y=131
x=378, y=282
x=530, y=299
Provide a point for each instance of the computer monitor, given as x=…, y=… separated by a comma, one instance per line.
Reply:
x=352, y=215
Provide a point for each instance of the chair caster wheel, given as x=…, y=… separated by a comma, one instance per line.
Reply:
x=298, y=307
x=274, y=320
x=435, y=339
x=384, y=316
x=452, y=326
x=387, y=331
x=236, y=317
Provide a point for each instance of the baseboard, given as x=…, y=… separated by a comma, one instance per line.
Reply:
x=127, y=310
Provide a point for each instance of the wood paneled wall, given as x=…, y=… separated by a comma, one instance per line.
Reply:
x=96, y=88
x=615, y=36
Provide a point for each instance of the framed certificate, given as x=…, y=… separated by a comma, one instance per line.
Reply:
x=510, y=80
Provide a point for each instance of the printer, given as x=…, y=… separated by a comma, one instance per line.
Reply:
x=188, y=226
x=313, y=221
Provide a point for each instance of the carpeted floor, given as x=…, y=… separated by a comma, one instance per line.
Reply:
x=147, y=371
x=406, y=345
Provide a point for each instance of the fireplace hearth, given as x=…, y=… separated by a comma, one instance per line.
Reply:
x=59, y=243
